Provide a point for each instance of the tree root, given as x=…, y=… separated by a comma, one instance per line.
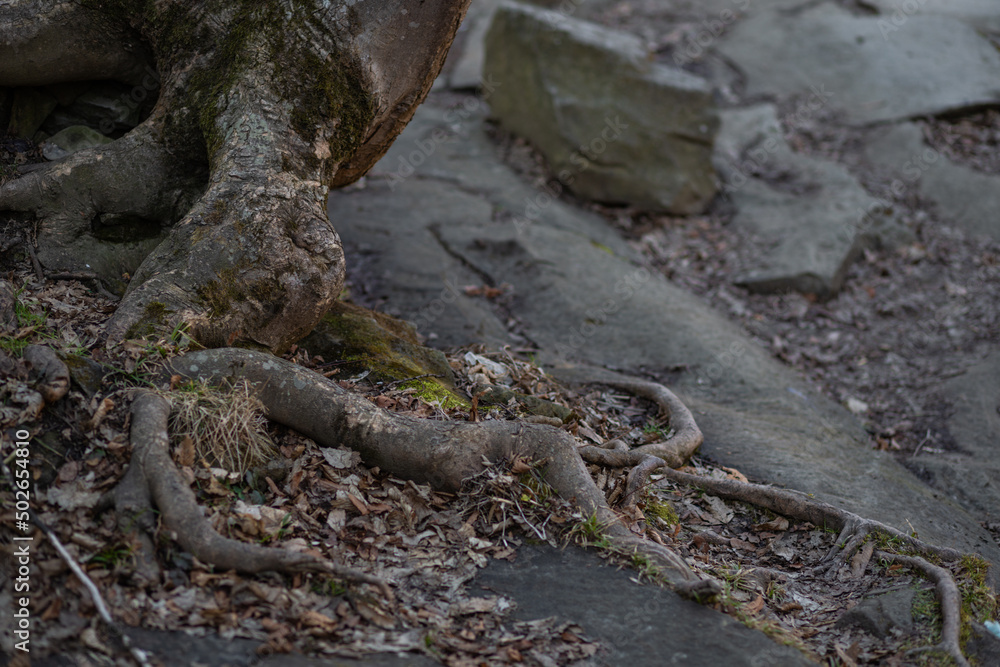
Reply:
x=948, y=596
x=853, y=528
x=853, y=532
x=442, y=454
x=8, y=316
x=674, y=451
x=153, y=479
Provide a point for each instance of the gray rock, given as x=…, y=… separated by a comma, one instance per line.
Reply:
x=813, y=216
x=30, y=108
x=464, y=68
x=972, y=475
x=107, y=107
x=866, y=73
x=879, y=615
x=72, y=139
x=614, y=126
x=983, y=646
x=638, y=625
x=965, y=196
x=575, y=291
x=982, y=15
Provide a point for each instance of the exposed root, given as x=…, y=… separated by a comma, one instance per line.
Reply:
x=152, y=479
x=798, y=505
x=674, y=451
x=442, y=454
x=48, y=373
x=854, y=530
x=8, y=317
x=949, y=597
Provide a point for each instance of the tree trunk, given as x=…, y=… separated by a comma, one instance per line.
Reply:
x=263, y=106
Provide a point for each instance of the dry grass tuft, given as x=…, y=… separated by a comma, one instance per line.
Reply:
x=226, y=423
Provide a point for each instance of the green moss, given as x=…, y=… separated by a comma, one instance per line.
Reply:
x=663, y=510
x=152, y=322
x=359, y=340
x=431, y=391
x=533, y=405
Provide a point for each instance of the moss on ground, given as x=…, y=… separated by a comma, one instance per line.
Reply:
x=359, y=340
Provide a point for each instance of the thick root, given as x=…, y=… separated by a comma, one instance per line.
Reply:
x=442, y=454
x=947, y=595
x=152, y=479
x=130, y=190
x=674, y=451
x=854, y=530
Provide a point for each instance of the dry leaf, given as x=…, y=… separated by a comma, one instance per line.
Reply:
x=184, y=454
x=777, y=524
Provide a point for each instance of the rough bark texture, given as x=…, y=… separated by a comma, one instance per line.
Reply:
x=263, y=106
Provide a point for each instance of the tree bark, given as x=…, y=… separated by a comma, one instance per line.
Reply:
x=263, y=106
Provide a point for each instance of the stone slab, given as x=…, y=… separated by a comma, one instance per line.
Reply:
x=969, y=198
x=614, y=126
x=650, y=626
x=582, y=300
x=870, y=74
x=979, y=14
x=812, y=225
x=971, y=475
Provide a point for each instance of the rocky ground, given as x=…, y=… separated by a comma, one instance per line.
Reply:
x=831, y=317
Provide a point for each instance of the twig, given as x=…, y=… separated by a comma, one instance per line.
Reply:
x=82, y=276
x=140, y=656
x=34, y=262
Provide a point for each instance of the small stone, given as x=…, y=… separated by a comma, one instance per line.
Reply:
x=856, y=406
x=71, y=140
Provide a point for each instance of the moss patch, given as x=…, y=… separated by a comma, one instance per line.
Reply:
x=359, y=340
x=152, y=322
x=493, y=395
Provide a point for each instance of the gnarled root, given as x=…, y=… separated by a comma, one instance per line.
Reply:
x=674, y=451
x=948, y=596
x=853, y=532
x=152, y=479
x=442, y=454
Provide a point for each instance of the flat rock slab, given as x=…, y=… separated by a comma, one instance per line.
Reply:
x=869, y=72
x=969, y=198
x=971, y=475
x=464, y=68
x=578, y=294
x=980, y=14
x=812, y=215
x=614, y=126
x=639, y=625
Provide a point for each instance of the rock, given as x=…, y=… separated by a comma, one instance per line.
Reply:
x=984, y=644
x=577, y=291
x=867, y=71
x=614, y=126
x=464, y=68
x=965, y=196
x=384, y=349
x=878, y=615
x=71, y=140
x=982, y=15
x=639, y=625
x=971, y=475
x=812, y=215
x=107, y=107
x=30, y=108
